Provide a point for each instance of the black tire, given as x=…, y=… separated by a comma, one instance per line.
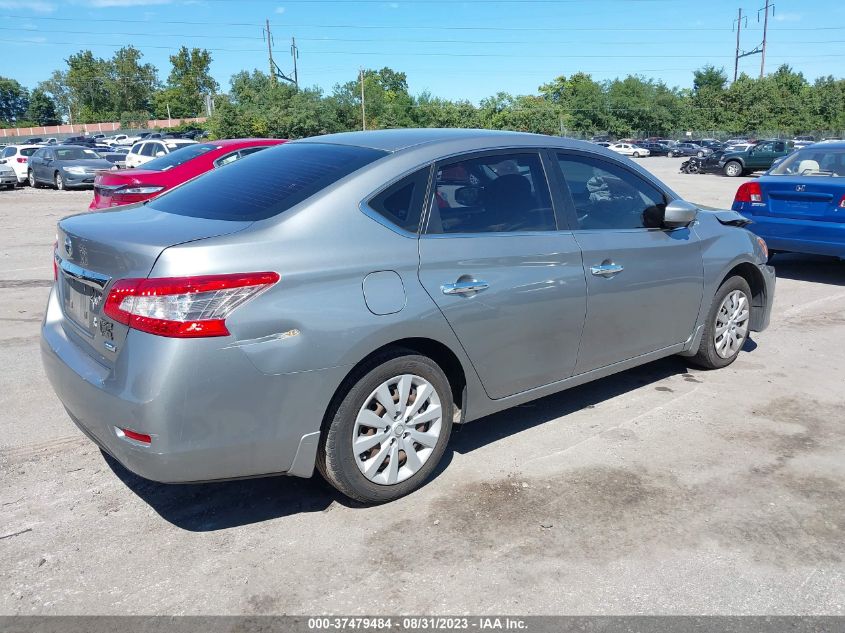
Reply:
x=707, y=357
x=58, y=181
x=336, y=459
x=31, y=179
x=733, y=169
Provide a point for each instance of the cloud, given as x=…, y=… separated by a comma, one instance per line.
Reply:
x=280, y=10
x=788, y=17
x=38, y=6
x=393, y=5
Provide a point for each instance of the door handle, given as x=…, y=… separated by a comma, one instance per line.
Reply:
x=464, y=287
x=606, y=270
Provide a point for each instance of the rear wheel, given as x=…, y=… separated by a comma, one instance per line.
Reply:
x=727, y=325
x=733, y=169
x=31, y=178
x=390, y=430
x=701, y=154
x=59, y=181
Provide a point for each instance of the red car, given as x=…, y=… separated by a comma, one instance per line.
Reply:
x=127, y=186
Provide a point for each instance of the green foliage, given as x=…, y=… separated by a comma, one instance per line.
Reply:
x=94, y=89
x=189, y=81
x=14, y=100
x=42, y=109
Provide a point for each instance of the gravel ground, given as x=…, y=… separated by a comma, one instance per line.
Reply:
x=662, y=490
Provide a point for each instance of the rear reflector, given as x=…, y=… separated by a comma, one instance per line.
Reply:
x=749, y=192
x=184, y=307
x=134, y=435
x=842, y=203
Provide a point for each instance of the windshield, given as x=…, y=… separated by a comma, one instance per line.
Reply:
x=815, y=161
x=28, y=151
x=75, y=153
x=267, y=183
x=178, y=157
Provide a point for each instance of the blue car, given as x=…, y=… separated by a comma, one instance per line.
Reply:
x=799, y=204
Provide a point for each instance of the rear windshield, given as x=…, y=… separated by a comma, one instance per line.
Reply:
x=178, y=157
x=815, y=161
x=29, y=151
x=266, y=183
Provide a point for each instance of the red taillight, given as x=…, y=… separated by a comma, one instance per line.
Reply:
x=842, y=203
x=183, y=307
x=134, y=435
x=749, y=192
x=21, y=159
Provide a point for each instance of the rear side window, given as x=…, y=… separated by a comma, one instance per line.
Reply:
x=268, y=184
x=491, y=194
x=28, y=151
x=178, y=157
x=401, y=204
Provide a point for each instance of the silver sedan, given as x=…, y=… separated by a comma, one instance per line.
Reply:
x=343, y=301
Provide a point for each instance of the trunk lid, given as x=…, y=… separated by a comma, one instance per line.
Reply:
x=804, y=198
x=95, y=249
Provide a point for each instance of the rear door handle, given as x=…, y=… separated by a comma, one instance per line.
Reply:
x=464, y=287
x=606, y=270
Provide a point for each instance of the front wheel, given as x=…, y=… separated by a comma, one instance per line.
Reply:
x=727, y=325
x=701, y=154
x=58, y=181
x=636, y=154
x=670, y=154
x=390, y=430
x=733, y=169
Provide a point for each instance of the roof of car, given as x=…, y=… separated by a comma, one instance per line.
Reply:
x=399, y=139
x=826, y=145
x=229, y=142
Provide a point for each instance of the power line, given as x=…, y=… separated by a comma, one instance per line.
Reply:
x=415, y=27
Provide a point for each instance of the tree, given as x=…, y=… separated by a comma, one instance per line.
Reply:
x=57, y=89
x=42, y=109
x=14, y=100
x=131, y=84
x=88, y=81
x=190, y=80
x=709, y=77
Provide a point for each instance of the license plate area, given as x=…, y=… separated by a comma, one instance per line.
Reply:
x=81, y=304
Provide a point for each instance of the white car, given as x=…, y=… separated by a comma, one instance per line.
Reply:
x=118, y=139
x=144, y=151
x=627, y=149
x=17, y=157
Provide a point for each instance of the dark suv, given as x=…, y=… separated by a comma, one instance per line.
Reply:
x=758, y=157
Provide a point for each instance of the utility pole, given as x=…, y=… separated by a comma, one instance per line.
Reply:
x=738, y=30
x=363, y=109
x=294, y=52
x=269, y=36
x=765, y=33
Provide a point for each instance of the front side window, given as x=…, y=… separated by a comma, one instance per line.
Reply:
x=492, y=194
x=608, y=196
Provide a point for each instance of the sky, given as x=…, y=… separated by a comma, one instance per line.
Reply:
x=454, y=49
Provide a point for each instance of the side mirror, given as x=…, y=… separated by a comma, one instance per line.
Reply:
x=679, y=213
x=467, y=196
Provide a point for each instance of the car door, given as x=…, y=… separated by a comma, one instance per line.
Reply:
x=761, y=156
x=36, y=162
x=503, y=269
x=644, y=282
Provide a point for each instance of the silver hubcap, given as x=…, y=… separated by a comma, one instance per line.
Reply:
x=60, y=184
x=397, y=429
x=733, y=169
x=731, y=324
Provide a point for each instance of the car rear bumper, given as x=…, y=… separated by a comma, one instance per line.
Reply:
x=799, y=236
x=210, y=412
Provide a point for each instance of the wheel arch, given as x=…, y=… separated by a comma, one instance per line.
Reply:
x=754, y=278
x=437, y=351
